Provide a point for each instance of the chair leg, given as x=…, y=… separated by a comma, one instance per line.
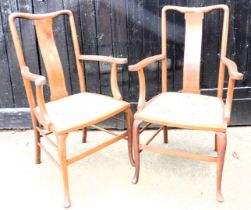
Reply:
x=129, y=120
x=165, y=130
x=221, y=148
x=63, y=164
x=37, y=140
x=215, y=142
x=84, y=136
x=135, y=138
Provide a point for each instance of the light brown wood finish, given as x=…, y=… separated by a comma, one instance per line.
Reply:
x=191, y=72
x=187, y=109
x=65, y=114
x=51, y=61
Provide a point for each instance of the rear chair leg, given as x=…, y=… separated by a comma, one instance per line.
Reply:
x=221, y=148
x=37, y=140
x=215, y=143
x=84, y=136
x=63, y=164
x=165, y=130
x=135, y=138
x=129, y=120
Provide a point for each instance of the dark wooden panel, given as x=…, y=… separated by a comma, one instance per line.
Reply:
x=151, y=46
x=6, y=97
x=104, y=38
x=178, y=38
x=19, y=96
x=105, y=44
x=89, y=43
x=211, y=47
x=119, y=46
x=28, y=37
x=241, y=30
x=15, y=118
x=247, y=72
x=241, y=112
x=74, y=7
x=135, y=11
x=119, y=41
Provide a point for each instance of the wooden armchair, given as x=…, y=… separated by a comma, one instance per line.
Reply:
x=187, y=109
x=66, y=113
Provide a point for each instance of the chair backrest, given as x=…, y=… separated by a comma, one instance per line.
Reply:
x=44, y=30
x=193, y=40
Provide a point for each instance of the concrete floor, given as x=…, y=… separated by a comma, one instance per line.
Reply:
x=103, y=181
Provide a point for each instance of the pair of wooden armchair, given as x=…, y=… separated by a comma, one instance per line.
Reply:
x=67, y=113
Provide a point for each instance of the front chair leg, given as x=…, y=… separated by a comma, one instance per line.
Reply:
x=221, y=148
x=135, y=138
x=63, y=165
x=165, y=132
x=84, y=135
x=129, y=120
x=37, y=139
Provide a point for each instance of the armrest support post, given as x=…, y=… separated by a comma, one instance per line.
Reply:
x=39, y=81
x=233, y=75
x=142, y=89
x=114, y=70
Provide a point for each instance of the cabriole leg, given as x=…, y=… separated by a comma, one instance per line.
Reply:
x=221, y=148
x=129, y=120
x=135, y=137
x=63, y=164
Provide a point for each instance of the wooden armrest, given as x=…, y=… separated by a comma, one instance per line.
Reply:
x=39, y=82
x=233, y=75
x=232, y=69
x=103, y=59
x=38, y=79
x=145, y=62
x=115, y=61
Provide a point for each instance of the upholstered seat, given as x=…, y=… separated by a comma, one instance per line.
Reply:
x=85, y=109
x=184, y=110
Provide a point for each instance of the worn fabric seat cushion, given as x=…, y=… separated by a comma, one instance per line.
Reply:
x=82, y=109
x=185, y=110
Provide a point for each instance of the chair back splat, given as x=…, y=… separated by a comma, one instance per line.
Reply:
x=193, y=42
x=51, y=58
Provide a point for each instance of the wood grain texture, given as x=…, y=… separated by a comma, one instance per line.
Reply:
x=211, y=46
x=104, y=41
x=192, y=54
x=51, y=58
x=6, y=99
x=73, y=72
x=19, y=98
x=89, y=44
x=135, y=11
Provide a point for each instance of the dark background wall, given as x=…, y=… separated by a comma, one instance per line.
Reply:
x=122, y=28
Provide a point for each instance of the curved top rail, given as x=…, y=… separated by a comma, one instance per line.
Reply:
x=195, y=9
x=30, y=16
